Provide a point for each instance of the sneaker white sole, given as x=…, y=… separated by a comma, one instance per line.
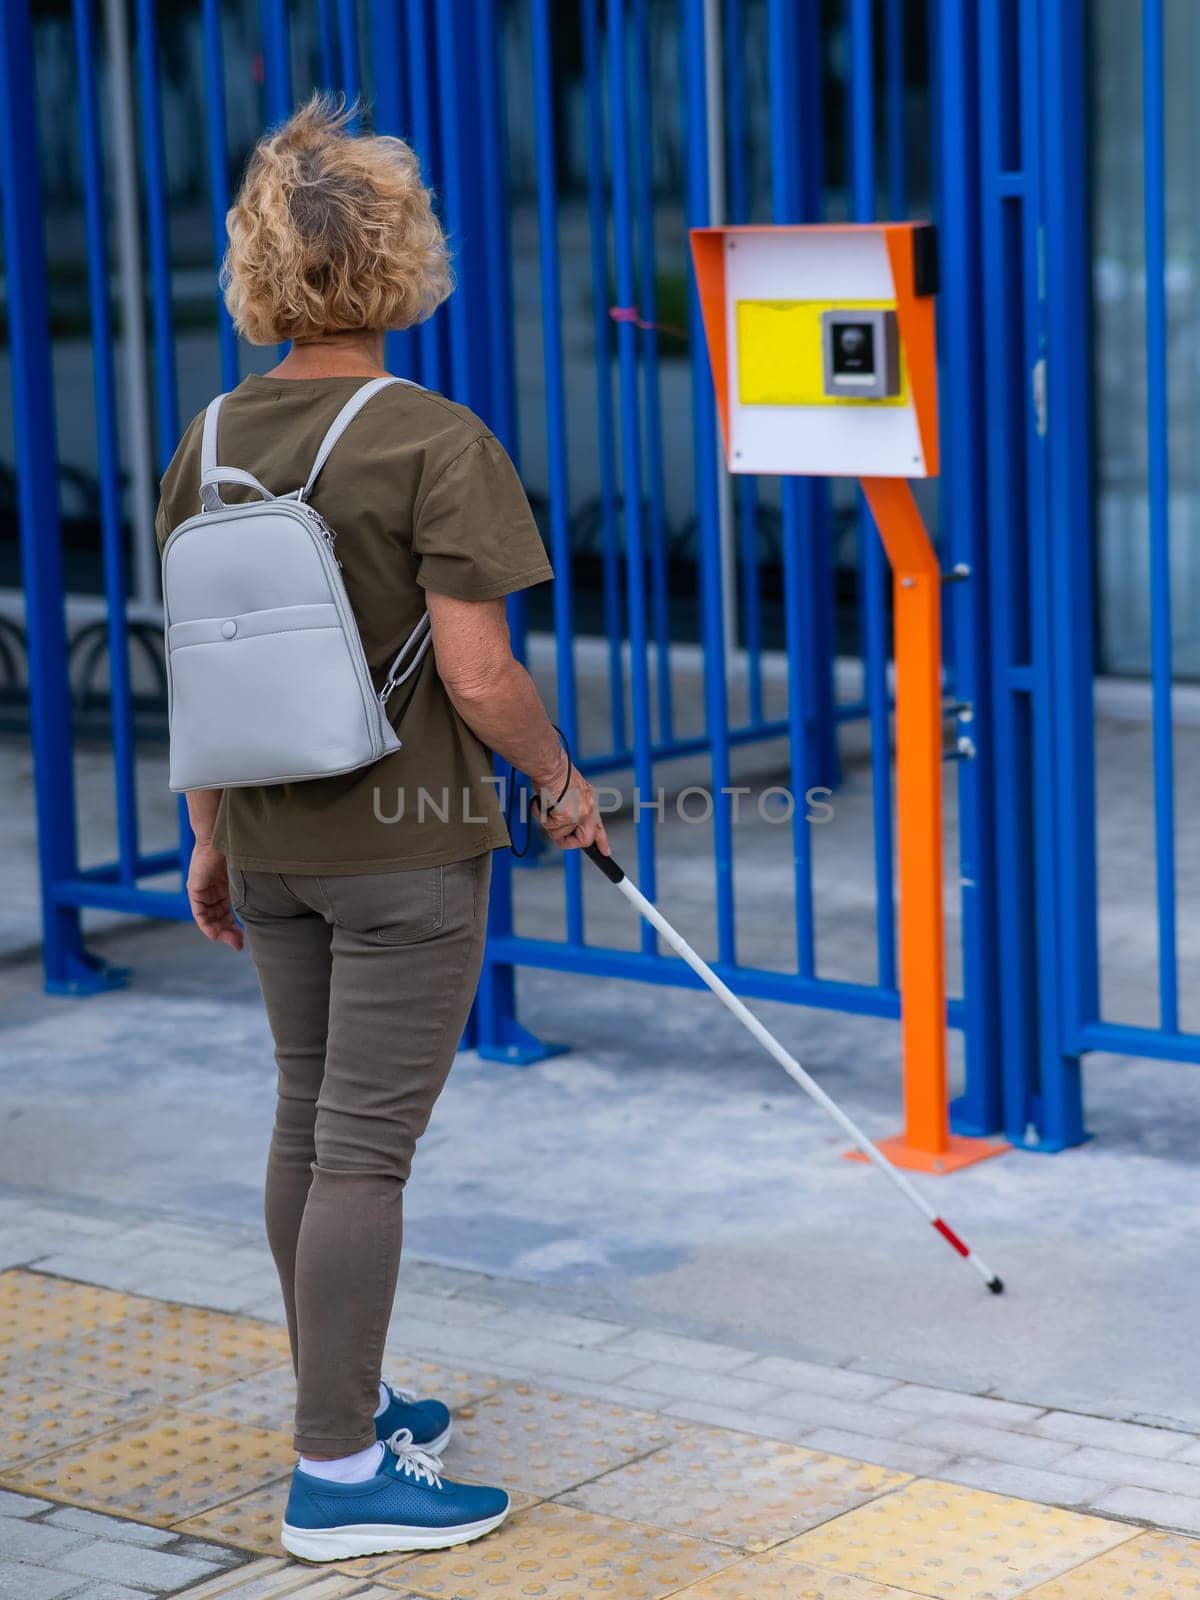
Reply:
x=436, y=1446
x=378, y=1538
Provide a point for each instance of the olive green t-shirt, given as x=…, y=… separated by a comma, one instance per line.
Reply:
x=421, y=496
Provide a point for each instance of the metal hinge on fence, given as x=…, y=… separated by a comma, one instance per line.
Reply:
x=1040, y=407
x=963, y=748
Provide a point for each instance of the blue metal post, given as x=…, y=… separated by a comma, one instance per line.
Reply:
x=327, y=45
x=601, y=333
x=895, y=120
x=158, y=231
x=390, y=101
x=453, y=66
x=963, y=389
x=277, y=59
x=800, y=496
x=422, y=121
x=218, y=174
x=1003, y=209
x=556, y=423
x=351, y=85
x=704, y=432
x=631, y=461
x=108, y=449
x=1157, y=425
x=1071, y=984
x=496, y=278
x=69, y=968
x=496, y=1032
x=745, y=487
x=874, y=567
x=643, y=153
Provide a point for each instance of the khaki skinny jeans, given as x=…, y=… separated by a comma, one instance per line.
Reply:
x=368, y=980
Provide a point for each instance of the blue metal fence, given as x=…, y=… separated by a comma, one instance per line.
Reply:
x=1007, y=127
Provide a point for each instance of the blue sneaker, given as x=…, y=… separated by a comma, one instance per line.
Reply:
x=427, y=1420
x=407, y=1505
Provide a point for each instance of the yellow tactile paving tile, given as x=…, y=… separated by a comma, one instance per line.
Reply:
x=36, y=1310
x=543, y=1443
x=752, y=1493
x=249, y=1522
x=159, y=1349
x=552, y=1552
x=1154, y=1566
x=164, y=1469
x=772, y=1577
x=268, y=1399
x=957, y=1544
x=38, y=1417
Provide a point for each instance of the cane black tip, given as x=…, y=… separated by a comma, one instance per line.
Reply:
x=996, y=1285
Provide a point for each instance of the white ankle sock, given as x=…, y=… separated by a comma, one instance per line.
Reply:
x=357, y=1468
x=385, y=1400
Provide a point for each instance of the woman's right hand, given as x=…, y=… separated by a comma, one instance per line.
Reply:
x=572, y=820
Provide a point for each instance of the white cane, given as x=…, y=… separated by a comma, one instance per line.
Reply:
x=790, y=1065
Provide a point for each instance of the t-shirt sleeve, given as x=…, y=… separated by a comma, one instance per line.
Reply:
x=474, y=535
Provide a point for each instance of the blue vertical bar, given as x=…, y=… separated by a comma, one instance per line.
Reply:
x=277, y=59
x=745, y=486
x=390, y=111
x=631, y=460
x=158, y=233
x=602, y=333
x=351, y=85
x=874, y=567
x=556, y=416
x=68, y=966
x=963, y=390
x=1002, y=228
x=453, y=102
x=1054, y=1103
x=112, y=530
x=218, y=174
x=327, y=46
x=496, y=280
x=1071, y=512
x=1157, y=448
x=797, y=494
x=894, y=117
x=420, y=87
x=704, y=424
x=643, y=145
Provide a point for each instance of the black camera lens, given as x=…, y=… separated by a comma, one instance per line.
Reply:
x=853, y=348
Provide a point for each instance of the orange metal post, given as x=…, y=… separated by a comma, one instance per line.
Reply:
x=926, y=1143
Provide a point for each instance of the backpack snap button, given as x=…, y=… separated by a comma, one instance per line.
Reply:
x=228, y=629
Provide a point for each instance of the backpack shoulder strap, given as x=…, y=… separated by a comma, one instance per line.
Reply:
x=341, y=422
x=208, y=439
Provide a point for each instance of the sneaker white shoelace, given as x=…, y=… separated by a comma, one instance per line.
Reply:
x=414, y=1462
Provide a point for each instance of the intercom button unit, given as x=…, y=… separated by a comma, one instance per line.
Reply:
x=862, y=354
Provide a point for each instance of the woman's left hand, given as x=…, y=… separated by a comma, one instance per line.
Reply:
x=208, y=895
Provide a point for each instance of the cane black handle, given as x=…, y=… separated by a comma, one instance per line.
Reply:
x=607, y=864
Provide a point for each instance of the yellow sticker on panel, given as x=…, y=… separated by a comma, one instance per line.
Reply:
x=779, y=353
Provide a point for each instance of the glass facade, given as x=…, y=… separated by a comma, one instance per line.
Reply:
x=1117, y=146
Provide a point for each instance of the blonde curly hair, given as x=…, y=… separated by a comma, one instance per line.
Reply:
x=331, y=232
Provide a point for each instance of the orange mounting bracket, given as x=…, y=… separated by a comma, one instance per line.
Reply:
x=926, y=1143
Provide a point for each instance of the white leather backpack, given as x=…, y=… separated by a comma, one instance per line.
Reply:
x=266, y=677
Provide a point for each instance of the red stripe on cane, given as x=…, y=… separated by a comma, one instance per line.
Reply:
x=950, y=1236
